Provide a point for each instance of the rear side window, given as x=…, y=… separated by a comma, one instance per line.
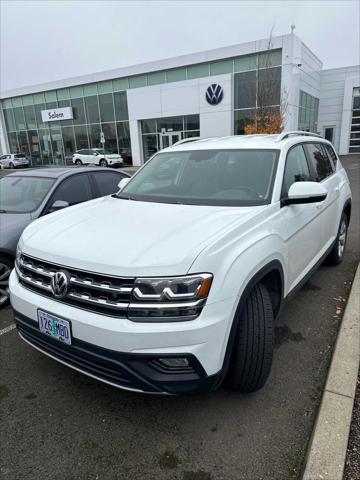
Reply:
x=106, y=182
x=331, y=154
x=73, y=190
x=320, y=161
x=296, y=169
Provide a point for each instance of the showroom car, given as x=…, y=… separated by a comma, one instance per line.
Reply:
x=172, y=284
x=14, y=160
x=25, y=196
x=97, y=156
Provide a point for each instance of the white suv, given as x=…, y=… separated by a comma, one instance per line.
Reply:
x=97, y=156
x=207, y=240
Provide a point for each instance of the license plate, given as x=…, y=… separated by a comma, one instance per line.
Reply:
x=55, y=327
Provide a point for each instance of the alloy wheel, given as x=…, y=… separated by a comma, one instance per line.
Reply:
x=4, y=283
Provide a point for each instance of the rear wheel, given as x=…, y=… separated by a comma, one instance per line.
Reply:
x=11, y=165
x=103, y=163
x=5, y=269
x=337, y=253
x=254, y=343
x=78, y=161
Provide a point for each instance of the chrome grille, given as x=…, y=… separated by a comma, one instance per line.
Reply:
x=89, y=290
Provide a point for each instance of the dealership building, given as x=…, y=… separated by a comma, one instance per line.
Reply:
x=141, y=109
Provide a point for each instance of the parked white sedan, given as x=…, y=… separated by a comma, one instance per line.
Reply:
x=97, y=156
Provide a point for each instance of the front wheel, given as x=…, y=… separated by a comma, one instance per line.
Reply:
x=5, y=269
x=337, y=253
x=254, y=343
x=103, y=163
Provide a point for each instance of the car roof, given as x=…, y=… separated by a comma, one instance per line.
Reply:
x=258, y=141
x=57, y=172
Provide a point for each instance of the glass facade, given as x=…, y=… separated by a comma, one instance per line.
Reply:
x=308, y=112
x=257, y=87
x=155, y=132
x=354, y=143
x=53, y=143
x=101, y=108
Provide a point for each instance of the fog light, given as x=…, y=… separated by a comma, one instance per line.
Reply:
x=179, y=362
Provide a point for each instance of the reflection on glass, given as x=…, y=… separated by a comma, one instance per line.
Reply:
x=69, y=143
x=78, y=111
x=19, y=118
x=30, y=116
x=106, y=107
x=109, y=132
x=13, y=142
x=34, y=145
x=121, y=108
x=123, y=133
x=9, y=119
x=92, y=109
x=94, y=136
x=23, y=143
x=150, y=145
x=81, y=137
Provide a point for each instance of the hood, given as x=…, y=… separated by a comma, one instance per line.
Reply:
x=129, y=238
x=11, y=227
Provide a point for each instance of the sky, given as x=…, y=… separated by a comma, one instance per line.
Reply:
x=42, y=41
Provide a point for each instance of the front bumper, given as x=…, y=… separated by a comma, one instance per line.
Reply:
x=124, y=353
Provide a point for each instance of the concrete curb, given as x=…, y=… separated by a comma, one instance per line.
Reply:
x=327, y=449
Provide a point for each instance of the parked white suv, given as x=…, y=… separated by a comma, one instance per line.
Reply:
x=208, y=239
x=97, y=156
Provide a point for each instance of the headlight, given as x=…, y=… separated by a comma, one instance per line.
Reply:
x=169, y=298
x=18, y=255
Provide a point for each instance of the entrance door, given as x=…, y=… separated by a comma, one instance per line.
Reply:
x=329, y=133
x=169, y=138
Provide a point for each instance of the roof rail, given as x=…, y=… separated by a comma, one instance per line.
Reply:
x=284, y=135
x=186, y=140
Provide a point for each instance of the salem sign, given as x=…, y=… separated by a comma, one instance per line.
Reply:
x=65, y=113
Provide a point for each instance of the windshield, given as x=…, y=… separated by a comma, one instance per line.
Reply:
x=103, y=151
x=23, y=194
x=206, y=177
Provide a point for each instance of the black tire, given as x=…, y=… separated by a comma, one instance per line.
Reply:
x=254, y=343
x=78, y=161
x=103, y=163
x=336, y=255
x=11, y=165
x=5, y=268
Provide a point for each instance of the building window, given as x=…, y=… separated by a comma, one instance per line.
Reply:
x=109, y=131
x=92, y=109
x=354, y=143
x=106, y=107
x=158, y=133
x=257, y=89
x=121, y=107
x=308, y=112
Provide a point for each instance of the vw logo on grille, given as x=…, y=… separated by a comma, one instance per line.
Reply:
x=214, y=94
x=59, y=284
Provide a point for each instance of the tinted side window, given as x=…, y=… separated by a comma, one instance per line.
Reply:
x=73, y=190
x=296, y=169
x=106, y=182
x=320, y=161
x=331, y=154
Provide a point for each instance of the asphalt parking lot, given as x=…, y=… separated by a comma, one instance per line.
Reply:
x=58, y=424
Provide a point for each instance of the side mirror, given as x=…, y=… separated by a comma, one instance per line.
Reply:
x=58, y=205
x=123, y=182
x=305, y=192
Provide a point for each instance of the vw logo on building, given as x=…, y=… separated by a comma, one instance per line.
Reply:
x=59, y=284
x=214, y=94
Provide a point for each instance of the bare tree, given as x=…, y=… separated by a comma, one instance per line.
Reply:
x=269, y=117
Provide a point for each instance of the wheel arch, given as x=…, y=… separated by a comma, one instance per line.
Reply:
x=347, y=210
x=272, y=276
